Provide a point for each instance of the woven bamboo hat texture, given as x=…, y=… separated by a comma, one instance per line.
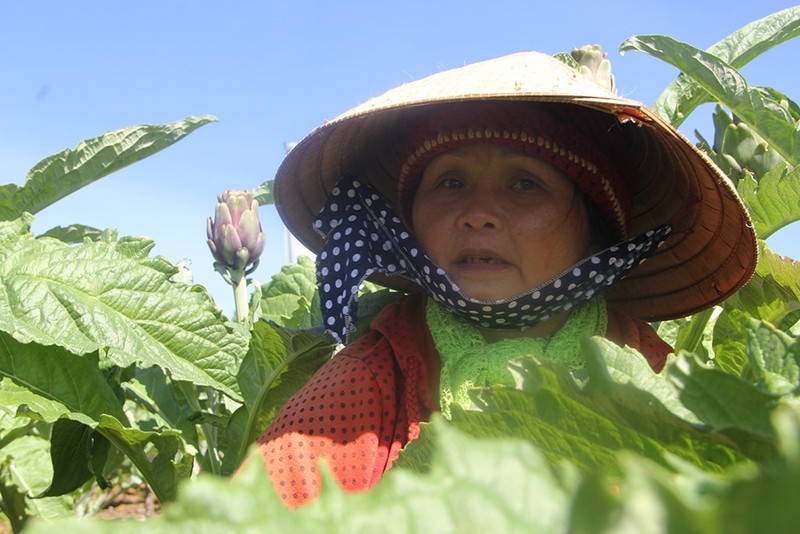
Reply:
x=710, y=254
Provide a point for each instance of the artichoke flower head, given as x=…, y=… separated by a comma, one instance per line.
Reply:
x=739, y=150
x=594, y=64
x=234, y=235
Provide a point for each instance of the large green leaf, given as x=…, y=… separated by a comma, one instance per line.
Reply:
x=727, y=404
x=766, y=500
x=774, y=200
x=589, y=427
x=757, y=108
x=291, y=299
x=775, y=358
x=498, y=485
x=730, y=342
x=773, y=294
x=56, y=383
x=473, y=486
x=78, y=454
x=683, y=95
x=61, y=174
x=158, y=455
x=623, y=406
x=111, y=296
x=25, y=470
x=74, y=233
x=164, y=402
x=263, y=193
x=682, y=499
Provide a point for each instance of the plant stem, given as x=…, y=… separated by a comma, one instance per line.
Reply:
x=240, y=298
x=209, y=432
x=8, y=503
x=697, y=326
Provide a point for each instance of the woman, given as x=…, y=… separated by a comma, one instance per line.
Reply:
x=516, y=201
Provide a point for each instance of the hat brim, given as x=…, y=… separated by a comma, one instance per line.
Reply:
x=712, y=251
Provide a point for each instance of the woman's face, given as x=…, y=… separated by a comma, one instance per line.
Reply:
x=497, y=220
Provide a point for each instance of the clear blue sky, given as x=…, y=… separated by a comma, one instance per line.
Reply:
x=273, y=71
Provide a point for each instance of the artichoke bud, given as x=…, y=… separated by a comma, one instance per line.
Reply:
x=746, y=151
x=242, y=256
x=230, y=247
x=235, y=237
x=594, y=64
x=721, y=122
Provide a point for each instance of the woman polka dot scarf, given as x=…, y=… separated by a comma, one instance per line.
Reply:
x=365, y=236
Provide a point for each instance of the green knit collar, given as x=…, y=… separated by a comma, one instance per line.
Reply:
x=468, y=361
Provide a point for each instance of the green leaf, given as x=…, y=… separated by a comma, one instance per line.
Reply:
x=623, y=406
x=567, y=58
x=784, y=270
x=473, y=486
x=74, y=233
x=291, y=299
x=766, y=500
x=73, y=449
x=52, y=373
x=773, y=294
x=726, y=85
x=726, y=403
x=683, y=95
x=112, y=297
x=21, y=402
x=774, y=200
x=158, y=455
x=158, y=395
x=11, y=231
x=730, y=342
x=263, y=193
x=78, y=390
x=266, y=352
x=497, y=485
x=622, y=388
x=621, y=376
x=775, y=358
x=25, y=466
x=61, y=174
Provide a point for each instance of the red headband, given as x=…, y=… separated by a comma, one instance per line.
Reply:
x=530, y=130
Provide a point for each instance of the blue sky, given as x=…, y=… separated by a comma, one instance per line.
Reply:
x=273, y=71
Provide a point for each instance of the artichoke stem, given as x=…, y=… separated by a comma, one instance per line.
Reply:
x=240, y=298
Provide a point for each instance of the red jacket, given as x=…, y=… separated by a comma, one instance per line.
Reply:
x=366, y=403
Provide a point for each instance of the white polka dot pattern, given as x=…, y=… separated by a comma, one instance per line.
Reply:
x=364, y=236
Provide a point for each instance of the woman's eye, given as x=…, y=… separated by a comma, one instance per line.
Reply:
x=450, y=182
x=525, y=184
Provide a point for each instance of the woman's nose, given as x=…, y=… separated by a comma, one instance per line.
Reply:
x=480, y=211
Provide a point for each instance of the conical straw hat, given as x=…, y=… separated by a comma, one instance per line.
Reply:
x=710, y=254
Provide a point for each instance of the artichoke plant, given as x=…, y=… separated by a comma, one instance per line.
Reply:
x=236, y=241
x=739, y=149
x=594, y=64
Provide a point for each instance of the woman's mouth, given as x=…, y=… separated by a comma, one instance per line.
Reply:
x=469, y=260
x=479, y=257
